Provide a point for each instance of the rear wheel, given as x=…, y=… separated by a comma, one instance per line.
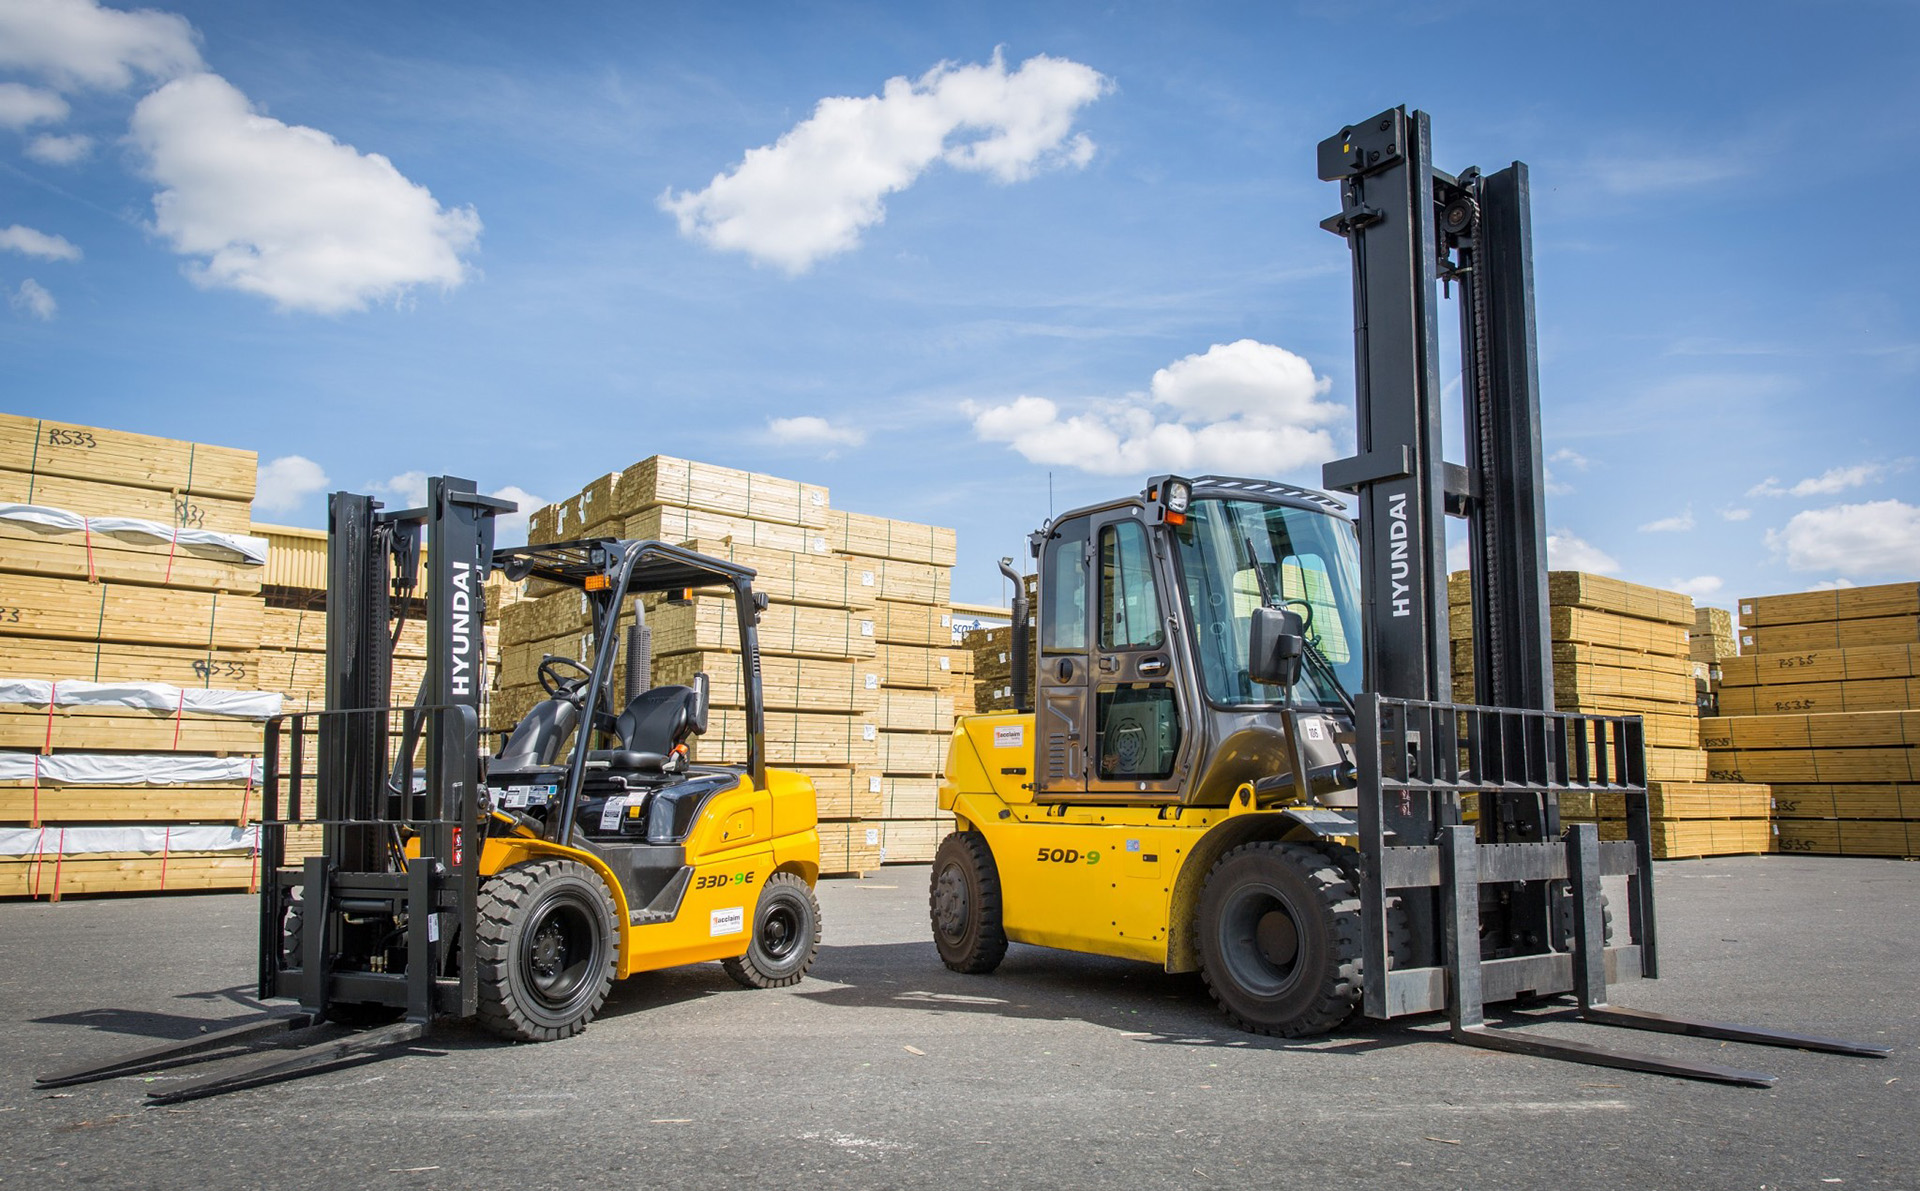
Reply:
x=786, y=935
x=1280, y=939
x=545, y=949
x=963, y=903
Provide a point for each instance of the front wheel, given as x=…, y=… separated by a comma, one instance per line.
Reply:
x=1280, y=939
x=786, y=935
x=963, y=903
x=546, y=948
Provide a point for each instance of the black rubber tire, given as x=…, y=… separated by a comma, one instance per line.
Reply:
x=354, y=1015
x=786, y=935
x=963, y=904
x=1280, y=939
x=546, y=949
x=1563, y=919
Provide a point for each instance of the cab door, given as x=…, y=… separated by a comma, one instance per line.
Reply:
x=1061, y=690
x=1135, y=720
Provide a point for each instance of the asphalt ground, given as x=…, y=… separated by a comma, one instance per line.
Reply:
x=883, y=1069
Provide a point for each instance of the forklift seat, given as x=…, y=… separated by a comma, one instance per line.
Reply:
x=655, y=723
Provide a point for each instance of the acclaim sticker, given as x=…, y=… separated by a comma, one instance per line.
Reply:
x=1314, y=730
x=730, y=921
x=1010, y=738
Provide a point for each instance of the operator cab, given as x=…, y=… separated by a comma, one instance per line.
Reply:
x=1147, y=687
x=613, y=774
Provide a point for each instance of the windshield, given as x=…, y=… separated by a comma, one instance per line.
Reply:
x=1312, y=565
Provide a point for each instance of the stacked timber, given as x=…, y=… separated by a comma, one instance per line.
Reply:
x=131, y=697
x=860, y=673
x=992, y=650
x=1623, y=649
x=1822, y=705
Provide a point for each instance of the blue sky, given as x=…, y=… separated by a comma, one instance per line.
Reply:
x=1066, y=245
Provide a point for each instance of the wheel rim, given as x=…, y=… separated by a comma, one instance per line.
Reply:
x=1261, y=940
x=780, y=933
x=557, y=955
x=950, y=902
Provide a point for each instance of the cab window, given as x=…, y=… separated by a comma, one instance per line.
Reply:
x=1129, y=604
x=1064, y=590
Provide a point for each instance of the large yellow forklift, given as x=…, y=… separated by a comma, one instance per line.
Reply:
x=511, y=889
x=1234, y=749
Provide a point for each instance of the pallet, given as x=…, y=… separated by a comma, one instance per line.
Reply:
x=181, y=666
x=709, y=623
x=1832, y=634
x=667, y=523
x=1866, y=729
x=127, y=614
x=787, y=683
x=1821, y=665
x=706, y=487
x=48, y=448
x=1847, y=603
x=1863, y=694
x=1847, y=837
x=21, y=803
x=1815, y=766
x=868, y=536
x=1891, y=800
x=82, y=555
x=102, y=729
x=135, y=872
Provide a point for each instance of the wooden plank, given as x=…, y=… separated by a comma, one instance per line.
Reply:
x=296, y=557
x=1865, y=729
x=99, y=498
x=1577, y=654
x=27, y=550
x=48, y=448
x=74, y=876
x=1675, y=839
x=707, y=487
x=1577, y=589
x=1662, y=686
x=1821, y=665
x=1866, y=694
x=1845, y=837
x=1847, y=603
x=30, y=657
x=670, y=524
x=120, y=729
x=20, y=803
x=1588, y=627
x=127, y=614
x=912, y=841
x=306, y=629
x=896, y=623
x=1692, y=800
x=881, y=537
x=849, y=848
x=1683, y=765
x=1831, y=634
x=914, y=711
x=904, y=582
x=793, y=738
x=1814, y=766
x=787, y=630
x=909, y=798
x=788, y=683
x=1891, y=800
x=824, y=581
x=844, y=793
x=921, y=667
x=912, y=754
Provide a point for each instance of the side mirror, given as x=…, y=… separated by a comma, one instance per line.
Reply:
x=1278, y=641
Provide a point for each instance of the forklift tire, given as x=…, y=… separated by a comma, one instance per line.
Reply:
x=786, y=935
x=963, y=903
x=546, y=948
x=353, y=1015
x=1280, y=939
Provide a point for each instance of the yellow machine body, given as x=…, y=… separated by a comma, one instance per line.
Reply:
x=742, y=837
x=1111, y=880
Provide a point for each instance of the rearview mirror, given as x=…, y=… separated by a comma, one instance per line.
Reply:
x=1278, y=640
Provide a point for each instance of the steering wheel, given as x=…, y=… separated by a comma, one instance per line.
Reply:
x=556, y=686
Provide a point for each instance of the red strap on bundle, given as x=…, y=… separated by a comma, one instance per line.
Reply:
x=57, y=858
x=39, y=859
x=35, y=820
x=166, y=846
x=53, y=700
x=246, y=798
x=86, y=530
x=170, y=553
x=178, y=707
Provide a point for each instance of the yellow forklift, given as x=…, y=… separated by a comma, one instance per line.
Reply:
x=510, y=889
x=1235, y=750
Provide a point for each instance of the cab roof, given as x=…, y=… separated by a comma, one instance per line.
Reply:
x=657, y=566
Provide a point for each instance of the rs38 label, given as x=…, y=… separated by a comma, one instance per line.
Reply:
x=1068, y=856
x=716, y=880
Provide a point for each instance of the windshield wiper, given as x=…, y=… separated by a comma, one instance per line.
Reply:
x=1313, y=652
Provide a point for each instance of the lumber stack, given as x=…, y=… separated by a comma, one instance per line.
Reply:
x=130, y=688
x=1623, y=649
x=860, y=671
x=1822, y=704
x=992, y=650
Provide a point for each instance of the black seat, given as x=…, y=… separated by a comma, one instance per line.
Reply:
x=655, y=724
x=536, y=739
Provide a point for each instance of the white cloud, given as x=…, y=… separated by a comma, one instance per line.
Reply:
x=285, y=211
x=1571, y=458
x=1678, y=523
x=59, y=150
x=32, y=298
x=27, y=241
x=77, y=44
x=1834, y=479
x=1735, y=514
x=1879, y=537
x=408, y=490
x=1698, y=586
x=810, y=431
x=1565, y=552
x=809, y=195
x=285, y=483
x=1832, y=585
x=1243, y=408
x=1767, y=487
x=510, y=529
x=22, y=106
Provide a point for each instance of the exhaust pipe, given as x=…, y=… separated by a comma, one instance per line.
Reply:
x=639, y=658
x=1017, y=649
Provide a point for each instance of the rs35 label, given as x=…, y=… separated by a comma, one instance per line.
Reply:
x=1068, y=856
x=716, y=880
